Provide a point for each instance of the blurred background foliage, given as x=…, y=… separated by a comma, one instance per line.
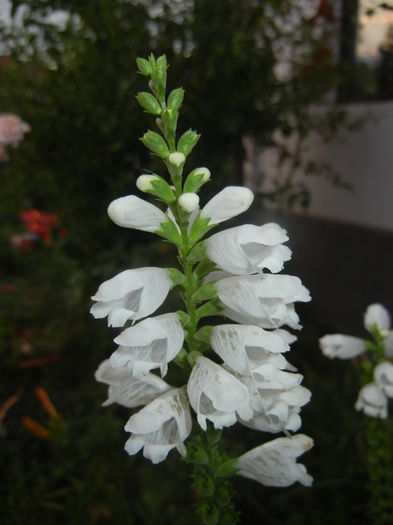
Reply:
x=74, y=84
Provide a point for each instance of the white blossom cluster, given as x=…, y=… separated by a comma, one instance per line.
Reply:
x=253, y=384
x=373, y=397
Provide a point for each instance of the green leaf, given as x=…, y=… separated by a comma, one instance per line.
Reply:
x=169, y=231
x=149, y=103
x=205, y=267
x=175, y=98
x=208, y=309
x=197, y=254
x=227, y=469
x=199, y=228
x=187, y=142
x=205, y=293
x=177, y=277
x=203, y=334
x=156, y=144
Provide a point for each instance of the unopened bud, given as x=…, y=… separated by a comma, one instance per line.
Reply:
x=196, y=179
x=177, y=159
x=157, y=186
x=188, y=202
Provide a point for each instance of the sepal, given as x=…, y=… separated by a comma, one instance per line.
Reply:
x=205, y=293
x=175, y=98
x=149, y=103
x=197, y=178
x=157, y=186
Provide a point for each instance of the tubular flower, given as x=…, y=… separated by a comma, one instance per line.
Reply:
x=133, y=212
x=372, y=401
x=132, y=294
x=150, y=344
x=274, y=463
x=342, y=346
x=245, y=348
x=160, y=426
x=264, y=300
x=228, y=203
x=127, y=390
x=217, y=395
x=249, y=249
x=376, y=314
x=383, y=377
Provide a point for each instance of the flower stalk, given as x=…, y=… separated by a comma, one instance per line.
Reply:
x=251, y=385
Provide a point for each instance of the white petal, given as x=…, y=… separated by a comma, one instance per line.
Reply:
x=245, y=347
x=133, y=212
x=248, y=249
x=274, y=463
x=152, y=343
x=127, y=390
x=342, y=346
x=132, y=294
x=372, y=401
x=383, y=377
x=377, y=314
x=215, y=394
x=228, y=203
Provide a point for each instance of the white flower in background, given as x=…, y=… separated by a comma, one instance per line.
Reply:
x=245, y=348
x=372, y=401
x=217, y=395
x=274, y=463
x=383, y=377
x=376, y=314
x=249, y=249
x=150, y=344
x=133, y=212
x=160, y=426
x=342, y=346
x=132, y=294
x=128, y=390
x=228, y=203
x=265, y=300
x=347, y=346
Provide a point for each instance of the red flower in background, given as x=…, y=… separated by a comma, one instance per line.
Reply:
x=40, y=223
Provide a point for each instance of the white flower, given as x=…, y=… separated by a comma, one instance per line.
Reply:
x=264, y=300
x=274, y=463
x=372, y=401
x=217, y=395
x=342, y=346
x=132, y=294
x=133, y=212
x=376, y=314
x=383, y=377
x=228, y=203
x=245, y=347
x=188, y=202
x=249, y=249
x=388, y=344
x=127, y=390
x=160, y=426
x=150, y=344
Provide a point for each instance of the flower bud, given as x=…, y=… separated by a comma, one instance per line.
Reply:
x=196, y=179
x=157, y=186
x=149, y=103
x=156, y=144
x=187, y=142
x=177, y=159
x=144, y=67
x=175, y=98
x=188, y=202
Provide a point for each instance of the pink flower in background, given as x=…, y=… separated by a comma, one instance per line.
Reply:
x=12, y=131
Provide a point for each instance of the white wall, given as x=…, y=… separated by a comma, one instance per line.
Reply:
x=365, y=159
